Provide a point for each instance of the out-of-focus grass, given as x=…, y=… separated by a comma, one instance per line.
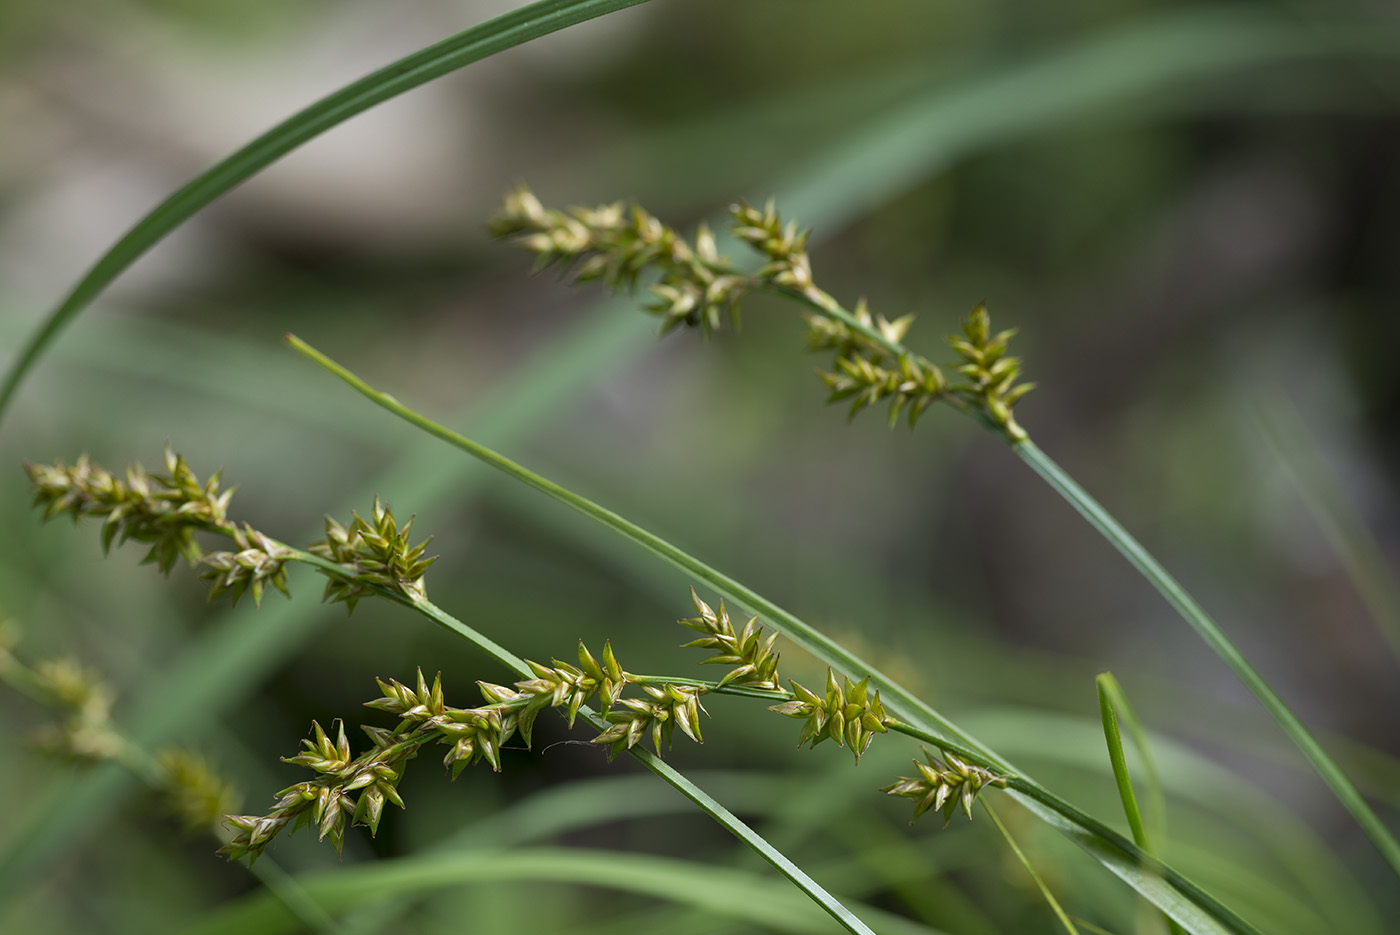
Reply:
x=1133, y=189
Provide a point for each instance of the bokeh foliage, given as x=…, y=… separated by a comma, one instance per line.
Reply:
x=1189, y=211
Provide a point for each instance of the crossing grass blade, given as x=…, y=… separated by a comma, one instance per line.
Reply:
x=1192, y=612
x=1182, y=900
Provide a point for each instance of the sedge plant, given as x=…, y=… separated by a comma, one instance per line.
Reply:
x=376, y=557
x=868, y=365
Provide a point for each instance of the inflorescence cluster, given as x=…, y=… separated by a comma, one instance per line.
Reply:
x=168, y=510
x=190, y=787
x=352, y=790
x=164, y=510
x=944, y=787
x=695, y=286
x=374, y=557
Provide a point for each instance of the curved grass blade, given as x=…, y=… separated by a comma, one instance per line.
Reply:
x=1111, y=697
x=1205, y=627
x=1168, y=890
x=496, y=35
x=728, y=893
x=586, y=803
x=1235, y=822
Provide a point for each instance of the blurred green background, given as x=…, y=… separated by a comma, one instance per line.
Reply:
x=1190, y=210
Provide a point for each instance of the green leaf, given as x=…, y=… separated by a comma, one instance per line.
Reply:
x=1109, y=694
x=1030, y=868
x=1110, y=697
x=471, y=45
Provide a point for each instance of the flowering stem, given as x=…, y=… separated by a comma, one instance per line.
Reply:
x=156, y=774
x=745, y=691
x=709, y=805
x=1164, y=886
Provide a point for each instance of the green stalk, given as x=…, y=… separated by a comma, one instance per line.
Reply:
x=1153, y=872
x=822, y=646
x=1206, y=628
x=1178, y=897
x=471, y=45
x=1025, y=862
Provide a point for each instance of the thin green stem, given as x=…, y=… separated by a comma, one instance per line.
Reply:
x=822, y=646
x=1166, y=888
x=1362, y=556
x=1206, y=628
x=1025, y=862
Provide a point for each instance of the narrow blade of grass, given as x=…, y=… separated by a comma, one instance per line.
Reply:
x=1111, y=696
x=1206, y=628
x=1026, y=862
x=1168, y=890
x=702, y=799
x=1107, y=685
x=472, y=45
x=1115, y=68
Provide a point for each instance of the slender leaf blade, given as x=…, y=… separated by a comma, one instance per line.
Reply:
x=471, y=45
